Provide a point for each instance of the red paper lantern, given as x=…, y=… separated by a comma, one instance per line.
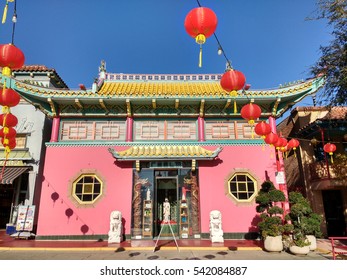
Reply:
x=281, y=144
x=9, y=97
x=8, y=132
x=250, y=112
x=293, y=144
x=232, y=81
x=200, y=23
x=9, y=142
x=271, y=138
x=262, y=129
x=330, y=149
x=284, y=145
x=11, y=57
x=8, y=120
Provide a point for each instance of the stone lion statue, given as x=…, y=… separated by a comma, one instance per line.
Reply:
x=216, y=232
x=115, y=234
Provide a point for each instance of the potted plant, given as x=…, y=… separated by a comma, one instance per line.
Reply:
x=271, y=225
x=304, y=222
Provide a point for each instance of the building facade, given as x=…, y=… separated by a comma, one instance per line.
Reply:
x=312, y=171
x=133, y=140
x=22, y=174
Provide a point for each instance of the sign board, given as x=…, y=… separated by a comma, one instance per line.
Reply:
x=25, y=220
x=280, y=177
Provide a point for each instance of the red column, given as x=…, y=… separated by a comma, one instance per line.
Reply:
x=55, y=129
x=129, y=129
x=201, y=129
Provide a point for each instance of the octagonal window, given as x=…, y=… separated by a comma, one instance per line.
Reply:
x=87, y=188
x=242, y=186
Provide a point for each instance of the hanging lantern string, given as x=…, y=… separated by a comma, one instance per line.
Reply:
x=219, y=44
x=302, y=139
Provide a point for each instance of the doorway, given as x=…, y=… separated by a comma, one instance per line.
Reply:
x=166, y=187
x=333, y=208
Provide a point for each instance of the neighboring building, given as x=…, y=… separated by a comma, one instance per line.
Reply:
x=312, y=171
x=135, y=139
x=22, y=177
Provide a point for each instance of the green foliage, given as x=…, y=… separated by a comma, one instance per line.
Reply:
x=304, y=221
x=333, y=60
x=271, y=223
x=340, y=166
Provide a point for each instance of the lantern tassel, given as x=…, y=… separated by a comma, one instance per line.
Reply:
x=332, y=159
x=200, y=57
x=235, y=107
x=4, y=15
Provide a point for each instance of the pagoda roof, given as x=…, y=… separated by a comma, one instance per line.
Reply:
x=162, y=152
x=119, y=93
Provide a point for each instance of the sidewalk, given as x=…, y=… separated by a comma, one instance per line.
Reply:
x=246, y=249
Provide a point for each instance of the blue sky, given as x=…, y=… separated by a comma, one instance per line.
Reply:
x=270, y=41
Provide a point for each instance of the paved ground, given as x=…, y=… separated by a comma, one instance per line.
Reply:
x=165, y=254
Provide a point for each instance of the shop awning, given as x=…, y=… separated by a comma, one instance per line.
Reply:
x=11, y=173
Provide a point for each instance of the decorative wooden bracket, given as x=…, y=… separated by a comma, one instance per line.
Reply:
x=51, y=104
x=128, y=104
x=202, y=108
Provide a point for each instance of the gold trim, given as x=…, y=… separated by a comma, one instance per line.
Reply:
x=78, y=103
x=202, y=108
x=177, y=103
x=193, y=165
x=128, y=104
x=165, y=151
x=51, y=104
x=102, y=104
x=274, y=110
x=227, y=104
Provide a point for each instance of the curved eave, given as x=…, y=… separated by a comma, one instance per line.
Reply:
x=274, y=101
x=165, y=153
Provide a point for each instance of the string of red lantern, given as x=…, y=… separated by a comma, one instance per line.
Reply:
x=11, y=58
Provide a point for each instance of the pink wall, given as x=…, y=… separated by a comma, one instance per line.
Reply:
x=236, y=217
x=64, y=163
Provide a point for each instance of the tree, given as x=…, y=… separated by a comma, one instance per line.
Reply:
x=333, y=60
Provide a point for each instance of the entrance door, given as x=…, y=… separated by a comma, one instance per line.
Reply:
x=166, y=187
x=6, y=198
x=333, y=208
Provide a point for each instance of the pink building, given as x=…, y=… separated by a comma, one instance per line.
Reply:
x=135, y=139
